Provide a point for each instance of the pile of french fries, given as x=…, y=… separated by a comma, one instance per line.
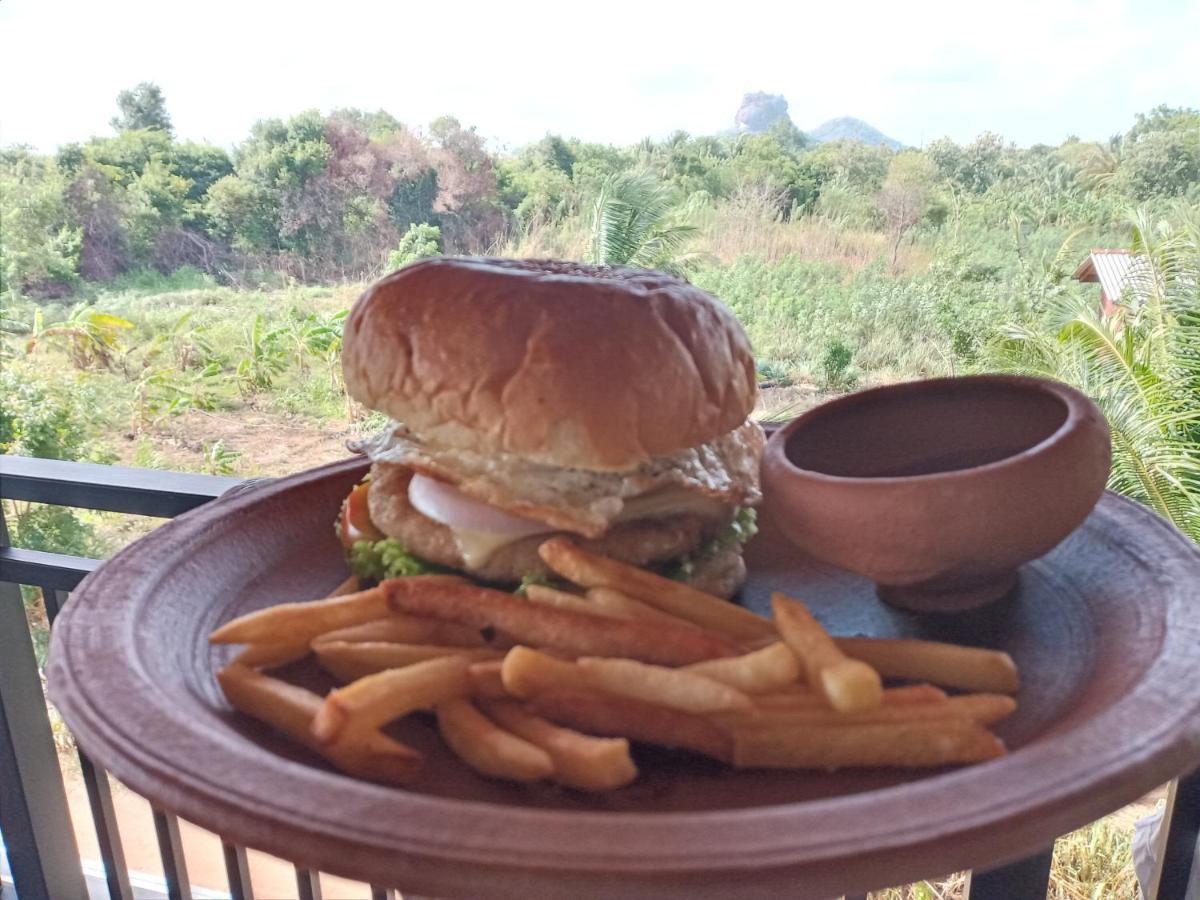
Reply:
x=555, y=685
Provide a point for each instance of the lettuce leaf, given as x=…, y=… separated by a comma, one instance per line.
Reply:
x=743, y=527
x=379, y=560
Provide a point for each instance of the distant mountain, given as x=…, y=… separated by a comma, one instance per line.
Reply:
x=847, y=128
x=759, y=111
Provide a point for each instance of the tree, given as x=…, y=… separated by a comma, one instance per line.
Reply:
x=202, y=165
x=273, y=201
x=376, y=125
x=142, y=107
x=861, y=165
x=94, y=203
x=905, y=194
x=467, y=202
x=415, y=186
x=635, y=222
x=126, y=156
x=465, y=170
x=761, y=160
x=1160, y=155
x=975, y=167
x=789, y=136
x=243, y=213
x=39, y=248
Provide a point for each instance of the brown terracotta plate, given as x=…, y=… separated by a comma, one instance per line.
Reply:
x=1106, y=630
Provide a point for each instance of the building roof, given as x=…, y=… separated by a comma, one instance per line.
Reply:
x=1113, y=269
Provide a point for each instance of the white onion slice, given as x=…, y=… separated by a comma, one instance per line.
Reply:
x=445, y=503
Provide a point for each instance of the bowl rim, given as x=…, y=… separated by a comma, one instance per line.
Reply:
x=1076, y=403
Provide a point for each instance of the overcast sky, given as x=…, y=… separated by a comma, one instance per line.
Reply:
x=615, y=71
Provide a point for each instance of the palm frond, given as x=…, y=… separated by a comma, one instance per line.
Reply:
x=1140, y=365
x=637, y=222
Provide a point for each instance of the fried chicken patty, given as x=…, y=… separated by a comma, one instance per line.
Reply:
x=641, y=542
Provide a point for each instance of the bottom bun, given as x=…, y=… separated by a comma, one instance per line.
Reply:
x=643, y=542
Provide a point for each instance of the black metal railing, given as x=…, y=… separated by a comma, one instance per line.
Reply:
x=35, y=820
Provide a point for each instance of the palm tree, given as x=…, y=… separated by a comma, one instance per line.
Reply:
x=636, y=222
x=1141, y=365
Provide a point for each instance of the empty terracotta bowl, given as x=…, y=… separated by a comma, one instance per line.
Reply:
x=939, y=490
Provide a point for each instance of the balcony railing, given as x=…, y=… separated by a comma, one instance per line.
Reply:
x=35, y=822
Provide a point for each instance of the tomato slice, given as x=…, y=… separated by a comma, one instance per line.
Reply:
x=356, y=518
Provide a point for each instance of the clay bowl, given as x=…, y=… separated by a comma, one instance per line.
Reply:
x=939, y=490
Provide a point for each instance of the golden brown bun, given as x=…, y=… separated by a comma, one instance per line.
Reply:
x=571, y=365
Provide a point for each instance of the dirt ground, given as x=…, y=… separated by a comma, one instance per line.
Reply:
x=267, y=442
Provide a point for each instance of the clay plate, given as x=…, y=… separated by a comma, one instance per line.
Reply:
x=1106, y=630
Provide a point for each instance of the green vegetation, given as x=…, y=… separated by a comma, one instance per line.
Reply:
x=147, y=280
x=1141, y=365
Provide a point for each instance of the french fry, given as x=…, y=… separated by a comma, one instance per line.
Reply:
x=805, y=698
x=685, y=691
x=548, y=596
x=571, y=632
x=626, y=607
x=487, y=748
x=848, y=685
x=769, y=669
x=982, y=708
x=527, y=673
x=303, y=621
x=486, y=681
x=966, y=668
x=609, y=716
x=912, y=693
x=348, y=662
x=401, y=629
x=580, y=761
x=269, y=655
x=674, y=597
x=375, y=700
x=908, y=745
x=290, y=710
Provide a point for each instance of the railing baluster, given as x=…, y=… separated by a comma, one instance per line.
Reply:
x=108, y=836
x=34, y=815
x=308, y=884
x=1025, y=879
x=1183, y=830
x=237, y=870
x=170, y=848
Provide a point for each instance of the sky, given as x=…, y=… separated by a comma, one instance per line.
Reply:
x=614, y=71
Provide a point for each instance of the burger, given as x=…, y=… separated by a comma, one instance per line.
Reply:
x=531, y=398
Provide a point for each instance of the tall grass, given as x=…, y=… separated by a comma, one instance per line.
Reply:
x=750, y=224
x=1093, y=863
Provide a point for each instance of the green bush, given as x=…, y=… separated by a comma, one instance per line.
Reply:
x=420, y=241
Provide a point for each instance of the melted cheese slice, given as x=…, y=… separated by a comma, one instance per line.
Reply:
x=477, y=547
